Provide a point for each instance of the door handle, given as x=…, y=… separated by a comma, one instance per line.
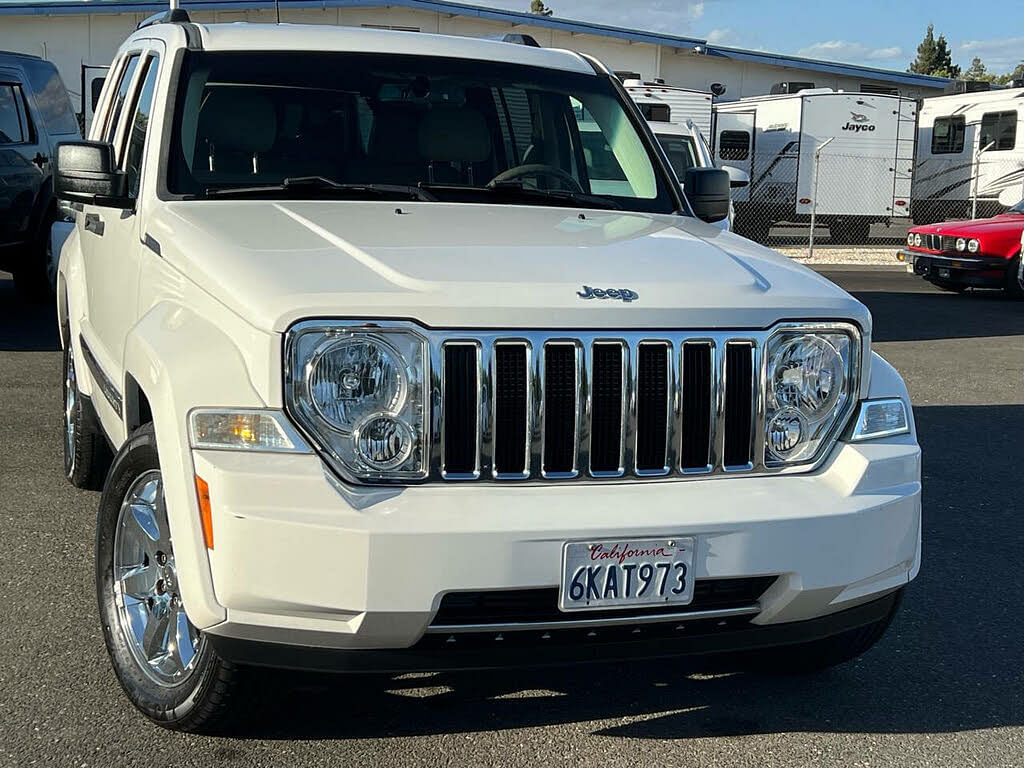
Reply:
x=94, y=224
x=40, y=159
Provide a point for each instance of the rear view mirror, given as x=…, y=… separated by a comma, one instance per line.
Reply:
x=737, y=177
x=707, y=189
x=1010, y=197
x=87, y=173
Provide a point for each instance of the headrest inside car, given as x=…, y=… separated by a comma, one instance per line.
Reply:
x=238, y=119
x=454, y=134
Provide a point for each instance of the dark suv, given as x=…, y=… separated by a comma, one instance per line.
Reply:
x=35, y=115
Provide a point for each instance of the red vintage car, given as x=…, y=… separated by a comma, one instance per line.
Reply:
x=957, y=255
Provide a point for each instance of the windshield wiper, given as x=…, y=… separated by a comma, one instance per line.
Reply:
x=517, y=190
x=319, y=186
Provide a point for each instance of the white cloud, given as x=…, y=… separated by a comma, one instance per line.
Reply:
x=999, y=55
x=722, y=36
x=844, y=50
x=695, y=10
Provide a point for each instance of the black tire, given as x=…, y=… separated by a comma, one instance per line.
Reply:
x=31, y=275
x=198, y=701
x=87, y=455
x=752, y=227
x=831, y=651
x=850, y=231
x=1015, y=279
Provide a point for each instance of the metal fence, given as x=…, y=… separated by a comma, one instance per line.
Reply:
x=864, y=201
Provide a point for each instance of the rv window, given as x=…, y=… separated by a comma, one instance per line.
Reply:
x=948, y=135
x=734, y=145
x=998, y=129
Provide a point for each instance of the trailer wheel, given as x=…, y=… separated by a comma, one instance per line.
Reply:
x=850, y=231
x=752, y=227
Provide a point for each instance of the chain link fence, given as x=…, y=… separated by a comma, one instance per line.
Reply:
x=863, y=202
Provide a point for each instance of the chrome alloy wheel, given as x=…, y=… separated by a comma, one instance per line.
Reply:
x=152, y=619
x=70, y=401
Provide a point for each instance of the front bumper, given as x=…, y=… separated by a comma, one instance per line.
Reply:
x=980, y=271
x=301, y=560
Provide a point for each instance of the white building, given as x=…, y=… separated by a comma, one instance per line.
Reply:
x=87, y=32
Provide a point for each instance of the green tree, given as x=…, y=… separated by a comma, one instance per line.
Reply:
x=933, y=56
x=537, y=6
x=978, y=71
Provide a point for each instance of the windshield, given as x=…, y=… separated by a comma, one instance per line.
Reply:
x=1018, y=208
x=466, y=131
x=681, y=152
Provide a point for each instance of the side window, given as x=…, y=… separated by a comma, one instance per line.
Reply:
x=52, y=100
x=734, y=145
x=14, y=127
x=139, y=126
x=117, y=104
x=948, y=135
x=681, y=151
x=998, y=129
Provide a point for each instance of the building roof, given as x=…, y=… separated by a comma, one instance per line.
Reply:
x=23, y=7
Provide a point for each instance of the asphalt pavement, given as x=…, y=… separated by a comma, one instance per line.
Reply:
x=945, y=687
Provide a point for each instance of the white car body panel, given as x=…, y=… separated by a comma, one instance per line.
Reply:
x=303, y=558
x=459, y=265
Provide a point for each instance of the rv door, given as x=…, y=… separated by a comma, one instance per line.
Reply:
x=93, y=78
x=734, y=145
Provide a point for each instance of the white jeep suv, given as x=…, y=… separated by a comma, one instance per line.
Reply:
x=398, y=378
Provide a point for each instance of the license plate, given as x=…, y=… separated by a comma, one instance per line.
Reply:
x=620, y=574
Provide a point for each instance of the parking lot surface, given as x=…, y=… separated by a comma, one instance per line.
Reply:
x=945, y=687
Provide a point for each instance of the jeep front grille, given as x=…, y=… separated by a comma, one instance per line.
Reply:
x=590, y=406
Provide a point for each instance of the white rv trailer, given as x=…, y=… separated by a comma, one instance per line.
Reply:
x=970, y=147
x=864, y=173
x=683, y=103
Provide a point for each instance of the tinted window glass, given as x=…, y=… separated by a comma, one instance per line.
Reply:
x=734, y=145
x=248, y=119
x=998, y=129
x=52, y=100
x=12, y=115
x=114, y=111
x=139, y=126
x=948, y=135
x=681, y=151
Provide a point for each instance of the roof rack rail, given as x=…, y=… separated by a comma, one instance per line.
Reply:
x=173, y=16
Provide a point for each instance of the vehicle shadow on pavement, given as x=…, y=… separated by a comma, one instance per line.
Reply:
x=25, y=326
x=933, y=314
x=952, y=661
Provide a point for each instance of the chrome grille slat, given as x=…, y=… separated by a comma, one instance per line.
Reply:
x=685, y=394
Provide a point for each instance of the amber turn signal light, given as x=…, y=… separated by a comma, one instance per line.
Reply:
x=205, y=516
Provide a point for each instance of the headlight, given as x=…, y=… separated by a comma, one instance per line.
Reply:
x=961, y=244
x=917, y=240
x=910, y=238
x=359, y=393
x=811, y=380
x=973, y=245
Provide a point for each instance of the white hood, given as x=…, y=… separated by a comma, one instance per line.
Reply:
x=478, y=266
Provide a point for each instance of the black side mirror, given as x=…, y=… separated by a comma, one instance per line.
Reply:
x=707, y=189
x=87, y=173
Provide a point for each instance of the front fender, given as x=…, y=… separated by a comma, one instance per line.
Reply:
x=181, y=361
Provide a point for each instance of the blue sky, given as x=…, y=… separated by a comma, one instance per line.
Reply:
x=878, y=33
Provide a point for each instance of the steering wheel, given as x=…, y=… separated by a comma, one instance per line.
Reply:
x=533, y=170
